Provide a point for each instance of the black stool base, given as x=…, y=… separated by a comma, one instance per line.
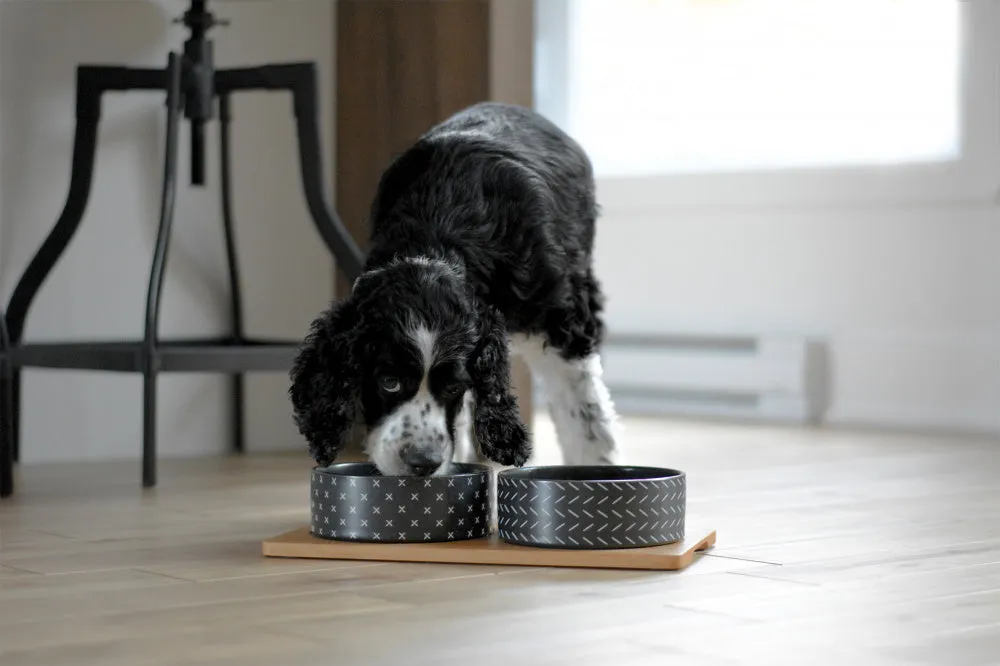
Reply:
x=182, y=80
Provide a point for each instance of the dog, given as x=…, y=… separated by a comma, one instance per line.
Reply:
x=481, y=247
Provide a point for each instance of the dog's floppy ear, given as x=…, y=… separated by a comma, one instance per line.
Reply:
x=326, y=381
x=503, y=437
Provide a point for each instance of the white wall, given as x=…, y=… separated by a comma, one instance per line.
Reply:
x=898, y=267
x=98, y=289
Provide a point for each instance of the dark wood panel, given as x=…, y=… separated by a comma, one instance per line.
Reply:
x=401, y=68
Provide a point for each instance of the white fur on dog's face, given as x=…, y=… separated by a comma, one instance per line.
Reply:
x=416, y=428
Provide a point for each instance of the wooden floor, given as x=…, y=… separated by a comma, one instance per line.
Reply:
x=834, y=548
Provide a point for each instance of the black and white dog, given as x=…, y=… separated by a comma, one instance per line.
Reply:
x=481, y=246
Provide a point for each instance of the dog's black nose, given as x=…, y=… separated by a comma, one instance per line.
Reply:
x=423, y=462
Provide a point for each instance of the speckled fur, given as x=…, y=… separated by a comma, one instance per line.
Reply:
x=481, y=230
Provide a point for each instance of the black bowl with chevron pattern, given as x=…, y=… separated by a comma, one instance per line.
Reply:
x=591, y=507
x=353, y=502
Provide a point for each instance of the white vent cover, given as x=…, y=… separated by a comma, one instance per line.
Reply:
x=757, y=377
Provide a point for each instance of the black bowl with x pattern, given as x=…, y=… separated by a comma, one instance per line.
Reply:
x=591, y=507
x=353, y=502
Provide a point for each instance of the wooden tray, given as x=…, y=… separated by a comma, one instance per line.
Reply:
x=671, y=557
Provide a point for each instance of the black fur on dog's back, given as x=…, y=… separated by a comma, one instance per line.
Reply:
x=483, y=229
x=505, y=193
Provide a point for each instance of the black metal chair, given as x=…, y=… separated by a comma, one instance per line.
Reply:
x=192, y=85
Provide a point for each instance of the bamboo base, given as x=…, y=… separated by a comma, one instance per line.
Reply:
x=300, y=543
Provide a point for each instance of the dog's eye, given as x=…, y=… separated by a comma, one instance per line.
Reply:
x=451, y=390
x=389, y=384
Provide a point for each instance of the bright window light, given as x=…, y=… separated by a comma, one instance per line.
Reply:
x=662, y=86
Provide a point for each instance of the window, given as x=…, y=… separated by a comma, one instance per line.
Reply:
x=668, y=86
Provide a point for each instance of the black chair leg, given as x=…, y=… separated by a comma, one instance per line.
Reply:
x=6, y=415
x=239, y=437
x=236, y=298
x=149, y=428
x=300, y=80
x=14, y=387
x=6, y=460
x=6, y=441
x=157, y=271
x=89, y=88
x=306, y=102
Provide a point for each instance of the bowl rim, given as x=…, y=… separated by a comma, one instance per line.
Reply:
x=537, y=474
x=474, y=470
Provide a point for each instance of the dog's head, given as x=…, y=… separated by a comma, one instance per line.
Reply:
x=407, y=356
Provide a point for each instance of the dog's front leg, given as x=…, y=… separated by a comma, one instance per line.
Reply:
x=579, y=402
x=466, y=447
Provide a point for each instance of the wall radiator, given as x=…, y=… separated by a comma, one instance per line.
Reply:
x=767, y=378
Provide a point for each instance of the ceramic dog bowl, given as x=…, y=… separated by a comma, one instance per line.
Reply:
x=591, y=507
x=353, y=502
